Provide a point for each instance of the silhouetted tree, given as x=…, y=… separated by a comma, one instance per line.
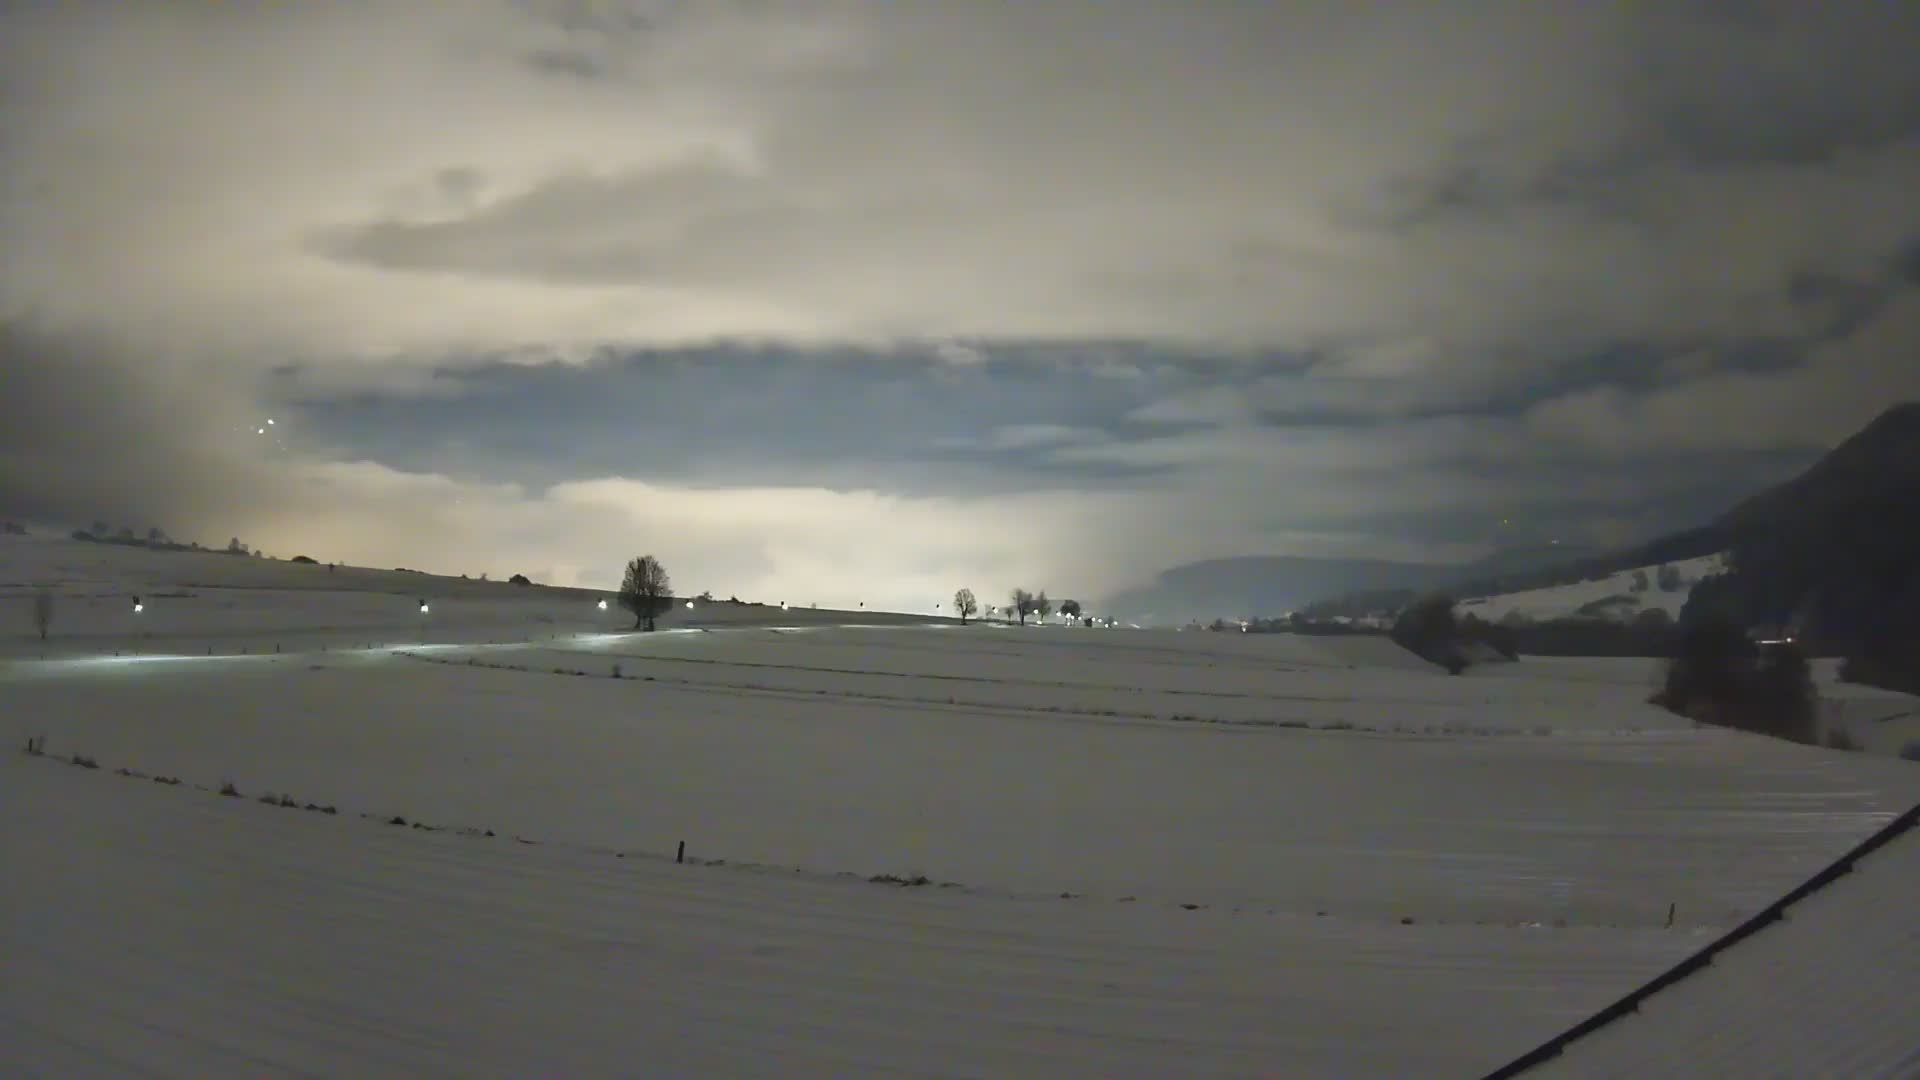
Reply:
x=1667, y=577
x=42, y=613
x=965, y=604
x=519, y=579
x=1784, y=703
x=1639, y=581
x=1021, y=604
x=1710, y=674
x=1721, y=677
x=1070, y=608
x=1428, y=629
x=1042, y=606
x=645, y=590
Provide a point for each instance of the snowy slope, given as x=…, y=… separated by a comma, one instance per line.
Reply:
x=1827, y=990
x=193, y=600
x=1566, y=601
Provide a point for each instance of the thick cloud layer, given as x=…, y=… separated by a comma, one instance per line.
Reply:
x=1363, y=263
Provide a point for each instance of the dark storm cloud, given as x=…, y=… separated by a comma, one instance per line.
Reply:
x=83, y=437
x=760, y=415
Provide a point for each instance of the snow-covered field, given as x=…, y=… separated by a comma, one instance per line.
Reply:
x=1620, y=597
x=1146, y=853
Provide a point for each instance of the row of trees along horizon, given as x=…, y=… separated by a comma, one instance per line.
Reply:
x=646, y=591
x=1020, y=604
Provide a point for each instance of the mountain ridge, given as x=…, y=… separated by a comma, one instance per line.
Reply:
x=1867, y=480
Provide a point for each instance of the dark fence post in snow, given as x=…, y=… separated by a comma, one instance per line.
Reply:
x=681, y=855
x=1670, y=908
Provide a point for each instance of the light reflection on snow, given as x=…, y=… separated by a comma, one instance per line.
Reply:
x=83, y=662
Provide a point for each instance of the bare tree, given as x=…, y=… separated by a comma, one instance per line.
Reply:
x=42, y=613
x=965, y=604
x=645, y=590
x=1021, y=603
x=1042, y=606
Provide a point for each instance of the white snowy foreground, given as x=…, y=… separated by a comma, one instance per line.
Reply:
x=169, y=931
x=1144, y=854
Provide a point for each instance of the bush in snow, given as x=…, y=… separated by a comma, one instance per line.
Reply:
x=1429, y=630
x=1667, y=577
x=910, y=881
x=1841, y=739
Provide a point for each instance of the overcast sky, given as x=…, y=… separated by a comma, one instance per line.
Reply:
x=848, y=301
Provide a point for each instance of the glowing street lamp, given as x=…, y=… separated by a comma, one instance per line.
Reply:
x=602, y=605
x=689, y=605
x=138, y=607
x=424, y=608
